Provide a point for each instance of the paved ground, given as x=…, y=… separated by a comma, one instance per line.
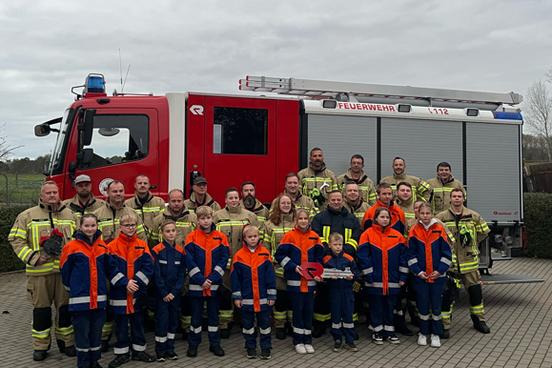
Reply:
x=520, y=317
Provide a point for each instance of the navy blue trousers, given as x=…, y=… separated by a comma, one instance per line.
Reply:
x=196, y=306
x=249, y=331
x=381, y=313
x=342, y=304
x=302, y=305
x=429, y=296
x=137, y=338
x=88, y=334
x=166, y=322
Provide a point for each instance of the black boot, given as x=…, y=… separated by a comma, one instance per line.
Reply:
x=70, y=351
x=39, y=355
x=480, y=325
x=61, y=346
x=318, y=329
x=281, y=333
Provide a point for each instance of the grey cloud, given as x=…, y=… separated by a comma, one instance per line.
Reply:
x=50, y=46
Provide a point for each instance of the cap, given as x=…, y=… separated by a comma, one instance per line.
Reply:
x=82, y=179
x=200, y=180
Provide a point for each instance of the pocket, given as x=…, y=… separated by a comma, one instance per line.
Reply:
x=30, y=289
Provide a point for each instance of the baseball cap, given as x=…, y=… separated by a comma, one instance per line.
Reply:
x=82, y=179
x=200, y=180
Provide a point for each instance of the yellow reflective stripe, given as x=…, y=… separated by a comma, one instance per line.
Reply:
x=326, y=234
x=24, y=254
x=183, y=223
x=409, y=215
x=64, y=331
x=150, y=209
x=44, y=334
x=18, y=232
x=322, y=317
x=349, y=238
x=477, y=309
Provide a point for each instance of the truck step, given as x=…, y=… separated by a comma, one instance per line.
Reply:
x=509, y=279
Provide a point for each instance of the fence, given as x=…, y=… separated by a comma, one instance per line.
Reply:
x=19, y=189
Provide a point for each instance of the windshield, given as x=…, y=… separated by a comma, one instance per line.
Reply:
x=56, y=162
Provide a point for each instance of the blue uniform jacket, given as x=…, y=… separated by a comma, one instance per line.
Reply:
x=169, y=268
x=341, y=261
x=428, y=249
x=382, y=260
x=206, y=258
x=85, y=270
x=297, y=247
x=134, y=260
x=253, y=278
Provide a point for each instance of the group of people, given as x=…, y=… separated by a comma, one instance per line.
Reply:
x=328, y=252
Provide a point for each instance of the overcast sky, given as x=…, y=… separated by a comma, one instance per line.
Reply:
x=49, y=46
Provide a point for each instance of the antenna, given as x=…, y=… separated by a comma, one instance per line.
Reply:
x=126, y=76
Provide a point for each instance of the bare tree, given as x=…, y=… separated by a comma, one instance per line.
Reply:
x=539, y=111
x=6, y=149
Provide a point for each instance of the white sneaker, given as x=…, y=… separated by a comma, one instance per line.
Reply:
x=300, y=349
x=422, y=340
x=309, y=348
x=435, y=341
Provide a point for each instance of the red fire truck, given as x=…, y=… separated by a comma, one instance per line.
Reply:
x=262, y=137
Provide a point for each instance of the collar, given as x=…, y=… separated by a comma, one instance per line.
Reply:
x=431, y=223
x=361, y=178
x=237, y=209
x=79, y=235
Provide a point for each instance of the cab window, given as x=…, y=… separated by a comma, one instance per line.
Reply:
x=117, y=139
x=240, y=131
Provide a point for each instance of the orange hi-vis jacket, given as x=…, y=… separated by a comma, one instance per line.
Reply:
x=382, y=259
x=398, y=219
x=299, y=247
x=253, y=278
x=134, y=260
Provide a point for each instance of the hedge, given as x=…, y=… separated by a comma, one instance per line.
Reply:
x=538, y=222
x=8, y=259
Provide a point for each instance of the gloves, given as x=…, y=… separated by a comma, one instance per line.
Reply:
x=52, y=244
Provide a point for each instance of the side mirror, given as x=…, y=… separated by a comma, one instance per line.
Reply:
x=86, y=124
x=72, y=169
x=42, y=130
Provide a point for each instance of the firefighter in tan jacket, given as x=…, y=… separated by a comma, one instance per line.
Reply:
x=37, y=238
x=109, y=214
x=230, y=221
x=147, y=206
x=468, y=229
x=405, y=201
x=354, y=202
x=420, y=188
x=441, y=187
x=292, y=190
x=356, y=175
x=316, y=179
x=251, y=203
x=84, y=201
x=200, y=197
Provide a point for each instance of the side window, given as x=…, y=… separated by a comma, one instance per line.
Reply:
x=240, y=131
x=118, y=138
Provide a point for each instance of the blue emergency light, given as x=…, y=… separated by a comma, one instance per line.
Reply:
x=95, y=83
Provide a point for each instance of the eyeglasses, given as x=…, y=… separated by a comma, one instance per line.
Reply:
x=128, y=225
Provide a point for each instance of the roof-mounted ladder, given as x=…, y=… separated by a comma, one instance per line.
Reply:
x=364, y=92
